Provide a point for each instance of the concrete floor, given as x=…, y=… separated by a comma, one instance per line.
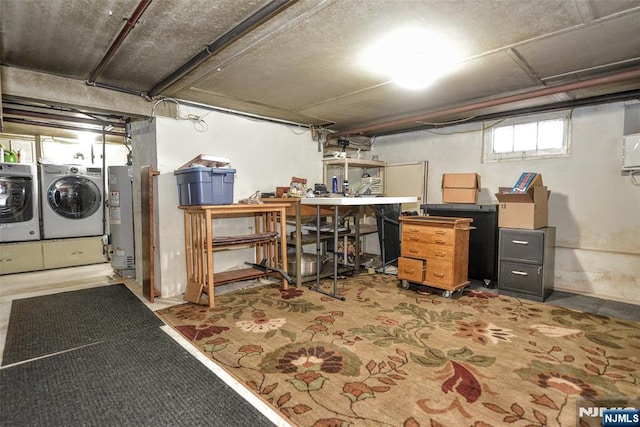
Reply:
x=600, y=306
x=585, y=303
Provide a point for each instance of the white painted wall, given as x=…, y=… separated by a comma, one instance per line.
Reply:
x=595, y=209
x=264, y=154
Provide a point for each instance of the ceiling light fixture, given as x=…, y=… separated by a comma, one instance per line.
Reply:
x=412, y=58
x=86, y=137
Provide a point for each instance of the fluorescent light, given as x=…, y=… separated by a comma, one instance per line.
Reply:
x=413, y=58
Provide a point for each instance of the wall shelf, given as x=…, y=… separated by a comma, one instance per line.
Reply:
x=353, y=169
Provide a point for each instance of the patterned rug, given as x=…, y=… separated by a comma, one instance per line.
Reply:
x=393, y=357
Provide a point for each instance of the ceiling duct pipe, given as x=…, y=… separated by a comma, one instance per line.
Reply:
x=365, y=130
x=266, y=12
x=129, y=24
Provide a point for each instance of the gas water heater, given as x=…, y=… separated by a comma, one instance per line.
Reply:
x=120, y=185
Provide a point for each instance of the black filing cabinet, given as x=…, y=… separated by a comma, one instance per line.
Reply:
x=526, y=262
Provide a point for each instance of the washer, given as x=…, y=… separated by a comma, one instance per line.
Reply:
x=19, y=214
x=71, y=201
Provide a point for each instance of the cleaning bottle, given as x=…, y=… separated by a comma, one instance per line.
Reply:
x=10, y=156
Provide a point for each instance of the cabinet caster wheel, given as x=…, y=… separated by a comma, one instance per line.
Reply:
x=447, y=294
x=405, y=284
x=459, y=290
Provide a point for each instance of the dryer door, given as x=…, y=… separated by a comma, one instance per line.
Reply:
x=74, y=197
x=16, y=204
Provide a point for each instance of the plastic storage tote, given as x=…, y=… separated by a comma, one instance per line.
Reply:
x=205, y=186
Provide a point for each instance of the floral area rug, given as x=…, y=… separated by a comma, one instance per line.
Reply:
x=393, y=357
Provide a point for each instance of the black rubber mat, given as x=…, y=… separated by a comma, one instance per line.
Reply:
x=49, y=324
x=144, y=378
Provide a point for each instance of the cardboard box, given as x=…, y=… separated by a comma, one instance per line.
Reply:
x=529, y=210
x=460, y=187
x=207, y=161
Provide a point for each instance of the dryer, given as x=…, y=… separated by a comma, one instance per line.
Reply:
x=71, y=201
x=19, y=214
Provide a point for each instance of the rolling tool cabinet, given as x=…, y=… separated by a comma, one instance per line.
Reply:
x=434, y=251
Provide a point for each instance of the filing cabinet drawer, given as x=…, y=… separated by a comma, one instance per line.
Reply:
x=427, y=251
x=410, y=269
x=521, y=278
x=521, y=245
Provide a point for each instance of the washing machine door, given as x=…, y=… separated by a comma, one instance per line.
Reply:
x=16, y=201
x=74, y=197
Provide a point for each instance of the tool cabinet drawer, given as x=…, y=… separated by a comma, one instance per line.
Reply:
x=434, y=238
x=439, y=273
x=428, y=230
x=411, y=269
x=521, y=245
x=427, y=251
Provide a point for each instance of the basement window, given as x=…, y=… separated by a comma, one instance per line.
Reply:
x=529, y=137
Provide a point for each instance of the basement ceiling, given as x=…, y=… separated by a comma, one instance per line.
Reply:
x=299, y=61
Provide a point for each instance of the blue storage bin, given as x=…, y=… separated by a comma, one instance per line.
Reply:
x=205, y=186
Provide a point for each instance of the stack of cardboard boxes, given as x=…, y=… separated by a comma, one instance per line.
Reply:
x=525, y=205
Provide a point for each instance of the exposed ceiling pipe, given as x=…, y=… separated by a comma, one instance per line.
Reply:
x=129, y=24
x=563, y=105
x=59, y=117
x=243, y=114
x=61, y=126
x=266, y=12
x=121, y=90
x=366, y=130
